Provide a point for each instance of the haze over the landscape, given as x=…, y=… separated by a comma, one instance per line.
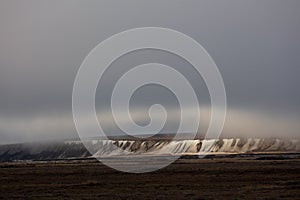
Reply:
x=255, y=45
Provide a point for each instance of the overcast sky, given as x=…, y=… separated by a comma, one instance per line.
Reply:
x=255, y=44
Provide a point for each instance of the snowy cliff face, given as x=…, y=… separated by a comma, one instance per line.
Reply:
x=75, y=149
x=200, y=146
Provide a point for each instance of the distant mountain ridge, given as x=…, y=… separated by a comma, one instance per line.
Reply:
x=75, y=149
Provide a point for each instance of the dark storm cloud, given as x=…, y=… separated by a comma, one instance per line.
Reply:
x=255, y=44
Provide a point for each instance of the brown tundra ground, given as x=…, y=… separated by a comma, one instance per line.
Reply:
x=219, y=178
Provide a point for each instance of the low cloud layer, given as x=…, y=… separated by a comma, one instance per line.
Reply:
x=239, y=123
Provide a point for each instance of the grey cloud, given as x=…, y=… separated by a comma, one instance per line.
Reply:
x=255, y=44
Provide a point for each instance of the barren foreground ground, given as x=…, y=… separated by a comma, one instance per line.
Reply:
x=229, y=178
